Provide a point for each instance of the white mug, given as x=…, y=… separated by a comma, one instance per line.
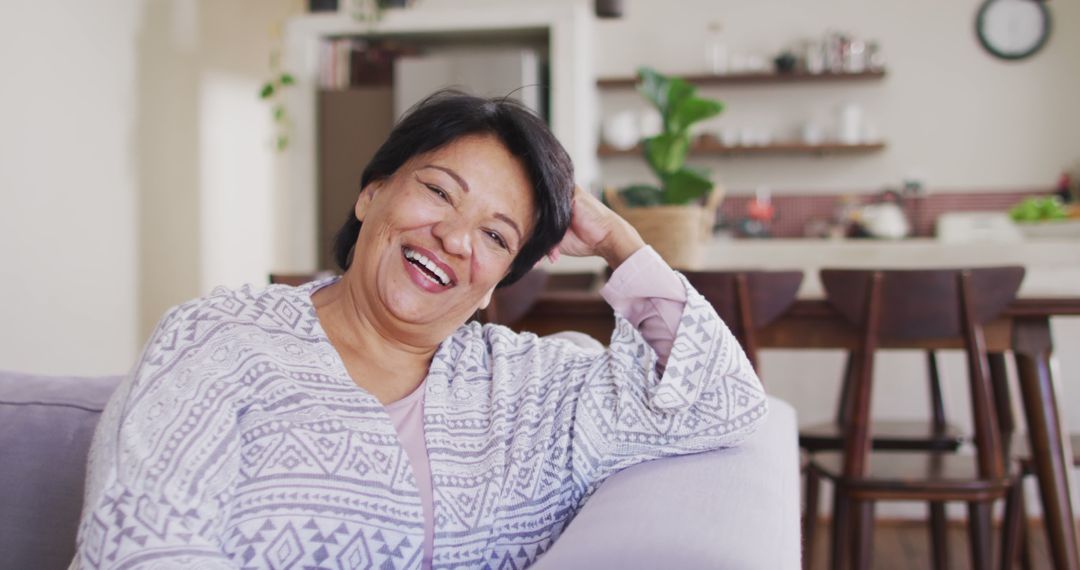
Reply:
x=849, y=130
x=620, y=131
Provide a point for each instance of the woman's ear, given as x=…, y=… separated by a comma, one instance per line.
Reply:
x=367, y=194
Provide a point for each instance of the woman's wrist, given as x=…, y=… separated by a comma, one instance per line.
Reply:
x=620, y=244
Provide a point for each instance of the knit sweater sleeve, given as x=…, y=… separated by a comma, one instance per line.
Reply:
x=632, y=408
x=164, y=458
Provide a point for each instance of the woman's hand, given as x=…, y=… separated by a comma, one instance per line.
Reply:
x=596, y=230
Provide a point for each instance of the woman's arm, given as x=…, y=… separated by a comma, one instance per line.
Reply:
x=632, y=408
x=163, y=461
x=650, y=296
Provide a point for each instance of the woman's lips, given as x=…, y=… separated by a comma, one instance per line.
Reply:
x=447, y=271
x=423, y=277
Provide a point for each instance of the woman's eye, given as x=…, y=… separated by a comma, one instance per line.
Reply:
x=439, y=192
x=498, y=239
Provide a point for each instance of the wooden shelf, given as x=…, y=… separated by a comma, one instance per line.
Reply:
x=754, y=78
x=708, y=146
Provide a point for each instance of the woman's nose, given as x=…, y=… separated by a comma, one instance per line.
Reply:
x=455, y=237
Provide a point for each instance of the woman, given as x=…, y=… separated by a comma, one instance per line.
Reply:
x=361, y=421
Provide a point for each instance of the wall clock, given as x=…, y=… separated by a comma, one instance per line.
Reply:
x=1013, y=29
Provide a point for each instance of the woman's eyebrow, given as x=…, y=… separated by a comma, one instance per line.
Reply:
x=461, y=181
x=507, y=219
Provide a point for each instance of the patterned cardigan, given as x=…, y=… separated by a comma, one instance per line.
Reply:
x=240, y=441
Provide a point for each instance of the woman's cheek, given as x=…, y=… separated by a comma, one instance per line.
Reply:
x=492, y=265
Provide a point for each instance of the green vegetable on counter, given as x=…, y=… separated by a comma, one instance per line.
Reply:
x=1038, y=209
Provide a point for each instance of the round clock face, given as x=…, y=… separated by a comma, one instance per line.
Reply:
x=1013, y=29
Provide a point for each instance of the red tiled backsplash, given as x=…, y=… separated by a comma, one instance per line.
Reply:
x=794, y=212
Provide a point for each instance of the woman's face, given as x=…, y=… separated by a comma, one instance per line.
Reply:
x=439, y=234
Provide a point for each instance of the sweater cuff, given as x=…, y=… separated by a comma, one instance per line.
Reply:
x=644, y=275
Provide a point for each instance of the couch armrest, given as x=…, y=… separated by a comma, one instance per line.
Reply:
x=731, y=508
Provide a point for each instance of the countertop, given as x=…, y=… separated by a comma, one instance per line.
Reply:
x=1053, y=266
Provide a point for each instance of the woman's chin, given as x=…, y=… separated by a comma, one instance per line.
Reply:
x=419, y=307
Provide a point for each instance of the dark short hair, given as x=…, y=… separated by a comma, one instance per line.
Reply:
x=449, y=115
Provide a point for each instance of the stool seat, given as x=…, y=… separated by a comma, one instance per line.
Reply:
x=918, y=476
x=887, y=435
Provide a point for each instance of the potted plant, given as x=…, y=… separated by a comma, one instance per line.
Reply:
x=675, y=217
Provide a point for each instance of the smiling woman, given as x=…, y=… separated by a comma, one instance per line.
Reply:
x=454, y=220
x=360, y=421
x=447, y=116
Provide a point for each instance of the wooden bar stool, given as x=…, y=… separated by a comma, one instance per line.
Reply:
x=747, y=300
x=912, y=305
x=896, y=435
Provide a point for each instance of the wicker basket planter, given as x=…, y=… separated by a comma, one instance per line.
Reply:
x=678, y=233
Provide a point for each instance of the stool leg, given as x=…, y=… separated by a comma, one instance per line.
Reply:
x=1026, y=560
x=841, y=529
x=1010, y=532
x=810, y=518
x=939, y=538
x=979, y=534
x=862, y=551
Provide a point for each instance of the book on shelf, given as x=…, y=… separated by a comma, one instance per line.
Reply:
x=353, y=62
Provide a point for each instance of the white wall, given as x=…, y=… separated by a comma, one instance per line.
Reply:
x=952, y=114
x=205, y=148
x=135, y=159
x=68, y=266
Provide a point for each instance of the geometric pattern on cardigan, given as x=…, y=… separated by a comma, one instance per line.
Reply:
x=239, y=440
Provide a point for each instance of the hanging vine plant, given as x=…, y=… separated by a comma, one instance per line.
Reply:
x=271, y=92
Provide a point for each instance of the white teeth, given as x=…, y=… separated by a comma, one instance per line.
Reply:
x=444, y=279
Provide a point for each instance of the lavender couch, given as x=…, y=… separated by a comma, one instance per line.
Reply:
x=735, y=508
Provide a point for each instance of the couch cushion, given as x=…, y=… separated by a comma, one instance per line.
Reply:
x=731, y=508
x=46, y=424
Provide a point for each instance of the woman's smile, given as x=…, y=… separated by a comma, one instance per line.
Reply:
x=427, y=271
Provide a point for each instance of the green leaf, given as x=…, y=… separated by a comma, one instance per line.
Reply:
x=279, y=113
x=640, y=195
x=653, y=86
x=282, y=142
x=693, y=110
x=685, y=186
x=666, y=93
x=286, y=79
x=678, y=93
x=267, y=91
x=666, y=153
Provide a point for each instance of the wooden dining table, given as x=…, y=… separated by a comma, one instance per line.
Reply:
x=811, y=323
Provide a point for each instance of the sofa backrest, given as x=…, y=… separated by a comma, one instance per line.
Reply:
x=46, y=424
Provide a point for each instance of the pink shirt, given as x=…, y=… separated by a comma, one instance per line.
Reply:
x=643, y=289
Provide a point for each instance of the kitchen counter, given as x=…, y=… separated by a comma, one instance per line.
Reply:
x=1053, y=266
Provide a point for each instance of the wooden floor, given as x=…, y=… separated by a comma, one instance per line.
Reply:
x=905, y=545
